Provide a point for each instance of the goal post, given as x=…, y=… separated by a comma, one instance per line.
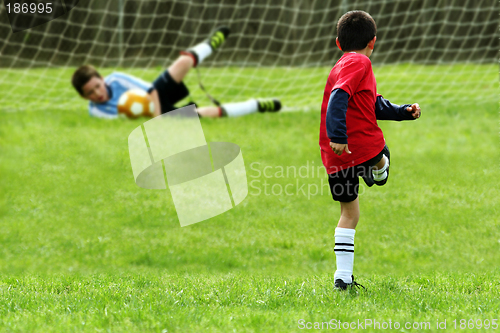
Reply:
x=277, y=48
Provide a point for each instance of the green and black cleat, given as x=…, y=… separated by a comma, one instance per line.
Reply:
x=269, y=105
x=218, y=37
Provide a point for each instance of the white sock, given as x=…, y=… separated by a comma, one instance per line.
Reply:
x=241, y=108
x=381, y=174
x=344, y=252
x=202, y=50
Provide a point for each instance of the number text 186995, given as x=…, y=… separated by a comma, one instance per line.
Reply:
x=29, y=8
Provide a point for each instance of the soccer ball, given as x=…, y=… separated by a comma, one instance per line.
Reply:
x=135, y=103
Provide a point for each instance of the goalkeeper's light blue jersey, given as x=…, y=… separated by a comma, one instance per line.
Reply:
x=116, y=83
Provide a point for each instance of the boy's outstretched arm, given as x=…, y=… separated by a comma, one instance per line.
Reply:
x=385, y=110
x=335, y=121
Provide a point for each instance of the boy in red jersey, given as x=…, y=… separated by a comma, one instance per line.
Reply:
x=352, y=144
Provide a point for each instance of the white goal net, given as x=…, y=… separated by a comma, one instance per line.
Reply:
x=426, y=50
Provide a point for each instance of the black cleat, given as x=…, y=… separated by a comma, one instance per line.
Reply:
x=369, y=179
x=218, y=37
x=269, y=105
x=341, y=285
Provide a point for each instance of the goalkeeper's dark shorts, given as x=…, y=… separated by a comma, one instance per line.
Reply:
x=344, y=184
x=169, y=91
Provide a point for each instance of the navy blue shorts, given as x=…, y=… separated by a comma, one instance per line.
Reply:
x=169, y=91
x=344, y=184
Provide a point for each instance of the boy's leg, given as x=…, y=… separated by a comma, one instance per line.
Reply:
x=381, y=164
x=380, y=171
x=241, y=108
x=250, y=106
x=195, y=55
x=168, y=91
x=202, y=50
x=209, y=111
x=349, y=214
x=180, y=68
x=344, y=186
x=169, y=85
x=376, y=170
x=344, y=242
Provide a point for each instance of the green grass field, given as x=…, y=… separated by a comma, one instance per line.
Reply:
x=83, y=249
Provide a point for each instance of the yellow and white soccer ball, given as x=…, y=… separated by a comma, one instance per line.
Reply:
x=136, y=103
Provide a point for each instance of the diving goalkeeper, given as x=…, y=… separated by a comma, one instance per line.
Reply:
x=166, y=90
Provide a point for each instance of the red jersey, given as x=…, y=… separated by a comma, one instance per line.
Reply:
x=353, y=73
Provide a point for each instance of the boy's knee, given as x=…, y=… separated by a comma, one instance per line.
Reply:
x=383, y=161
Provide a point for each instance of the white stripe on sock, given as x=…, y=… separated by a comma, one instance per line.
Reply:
x=241, y=108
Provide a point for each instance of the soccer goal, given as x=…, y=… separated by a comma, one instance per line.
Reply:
x=426, y=50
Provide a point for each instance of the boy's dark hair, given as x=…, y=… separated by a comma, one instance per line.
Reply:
x=83, y=75
x=355, y=29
